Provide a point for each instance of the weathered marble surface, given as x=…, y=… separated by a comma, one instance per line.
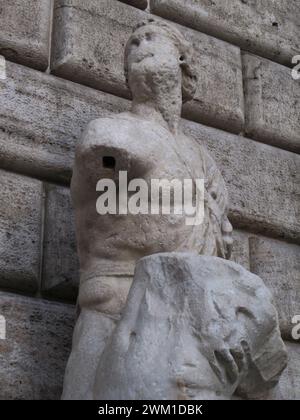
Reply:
x=194, y=327
x=160, y=72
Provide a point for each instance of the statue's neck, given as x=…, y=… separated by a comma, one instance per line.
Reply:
x=163, y=106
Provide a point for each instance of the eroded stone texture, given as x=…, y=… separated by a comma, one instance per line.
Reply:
x=272, y=101
x=240, y=248
x=80, y=56
x=25, y=31
x=278, y=264
x=265, y=27
x=217, y=327
x=41, y=119
x=218, y=101
x=60, y=275
x=20, y=230
x=263, y=181
x=141, y=4
x=34, y=354
x=288, y=387
x=60, y=272
x=99, y=62
x=289, y=384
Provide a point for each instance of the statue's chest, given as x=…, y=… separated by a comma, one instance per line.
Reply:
x=177, y=157
x=139, y=149
x=169, y=155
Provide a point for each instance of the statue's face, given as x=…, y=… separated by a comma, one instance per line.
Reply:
x=150, y=52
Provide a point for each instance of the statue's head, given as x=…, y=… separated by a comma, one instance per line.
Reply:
x=158, y=51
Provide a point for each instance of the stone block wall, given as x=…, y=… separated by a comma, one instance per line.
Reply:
x=64, y=67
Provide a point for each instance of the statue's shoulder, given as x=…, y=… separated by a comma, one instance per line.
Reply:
x=125, y=131
x=112, y=124
x=109, y=131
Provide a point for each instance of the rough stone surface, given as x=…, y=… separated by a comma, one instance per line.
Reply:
x=219, y=100
x=263, y=181
x=240, y=249
x=278, y=264
x=265, y=27
x=272, y=102
x=60, y=275
x=79, y=56
x=288, y=387
x=41, y=119
x=25, y=31
x=34, y=354
x=100, y=63
x=217, y=327
x=289, y=384
x=141, y=4
x=20, y=227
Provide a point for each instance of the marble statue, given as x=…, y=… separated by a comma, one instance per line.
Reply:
x=194, y=328
x=147, y=142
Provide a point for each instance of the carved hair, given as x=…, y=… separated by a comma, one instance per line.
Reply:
x=186, y=55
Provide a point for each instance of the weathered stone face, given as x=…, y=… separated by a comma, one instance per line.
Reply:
x=160, y=51
x=151, y=50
